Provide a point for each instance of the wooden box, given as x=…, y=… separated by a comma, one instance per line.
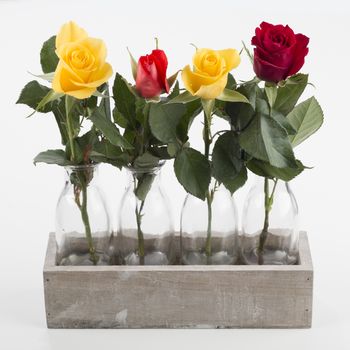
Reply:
x=235, y=296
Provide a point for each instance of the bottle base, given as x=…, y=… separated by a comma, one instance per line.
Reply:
x=84, y=260
x=200, y=258
x=153, y=258
x=270, y=257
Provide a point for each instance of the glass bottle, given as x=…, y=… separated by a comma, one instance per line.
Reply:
x=270, y=224
x=145, y=225
x=209, y=229
x=83, y=232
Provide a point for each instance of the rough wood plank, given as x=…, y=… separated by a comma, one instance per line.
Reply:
x=179, y=296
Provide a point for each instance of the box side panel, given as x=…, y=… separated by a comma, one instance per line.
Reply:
x=146, y=299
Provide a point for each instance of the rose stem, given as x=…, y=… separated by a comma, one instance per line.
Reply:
x=210, y=194
x=69, y=101
x=140, y=238
x=268, y=206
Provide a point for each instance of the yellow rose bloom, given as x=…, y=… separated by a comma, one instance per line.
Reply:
x=208, y=78
x=82, y=67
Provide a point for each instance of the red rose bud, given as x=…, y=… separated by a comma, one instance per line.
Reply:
x=278, y=52
x=151, y=74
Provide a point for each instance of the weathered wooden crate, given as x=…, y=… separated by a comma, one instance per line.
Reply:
x=236, y=296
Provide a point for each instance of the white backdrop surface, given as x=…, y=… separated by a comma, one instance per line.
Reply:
x=28, y=194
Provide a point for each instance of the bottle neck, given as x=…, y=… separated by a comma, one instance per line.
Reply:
x=278, y=184
x=144, y=175
x=81, y=174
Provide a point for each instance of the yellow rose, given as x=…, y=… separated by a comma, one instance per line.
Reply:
x=82, y=67
x=210, y=69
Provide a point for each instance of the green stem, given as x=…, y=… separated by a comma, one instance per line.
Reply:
x=140, y=238
x=268, y=201
x=210, y=194
x=70, y=127
x=206, y=136
x=69, y=102
x=208, y=240
x=85, y=218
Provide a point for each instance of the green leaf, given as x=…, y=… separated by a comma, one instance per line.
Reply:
x=306, y=118
x=144, y=183
x=160, y=152
x=266, y=140
x=283, y=121
x=105, y=152
x=32, y=94
x=120, y=119
x=173, y=148
x=226, y=158
x=86, y=143
x=237, y=182
x=192, y=170
x=239, y=113
x=264, y=169
x=231, y=82
x=146, y=161
x=52, y=156
x=185, y=97
x=48, y=57
x=289, y=94
x=105, y=102
x=232, y=96
x=107, y=149
x=164, y=119
x=109, y=130
x=193, y=109
x=142, y=108
x=59, y=111
x=271, y=93
x=125, y=99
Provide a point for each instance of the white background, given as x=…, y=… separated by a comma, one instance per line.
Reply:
x=28, y=194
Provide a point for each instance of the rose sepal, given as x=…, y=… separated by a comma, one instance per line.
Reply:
x=232, y=96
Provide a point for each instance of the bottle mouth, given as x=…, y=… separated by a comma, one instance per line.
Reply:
x=91, y=166
x=145, y=170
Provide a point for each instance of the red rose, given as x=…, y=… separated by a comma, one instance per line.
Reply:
x=279, y=53
x=151, y=74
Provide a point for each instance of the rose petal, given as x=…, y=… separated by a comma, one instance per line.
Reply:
x=147, y=83
x=267, y=71
x=98, y=77
x=232, y=58
x=70, y=32
x=212, y=91
x=161, y=62
x=300, y=51
x=190, y=80
x=81, y=93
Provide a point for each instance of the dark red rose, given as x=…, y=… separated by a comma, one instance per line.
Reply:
x=278, y=52
x=151, y=74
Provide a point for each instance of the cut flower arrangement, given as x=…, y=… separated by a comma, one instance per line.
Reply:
x=141, y=125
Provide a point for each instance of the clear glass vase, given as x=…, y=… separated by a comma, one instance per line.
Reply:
x=83, y=232
x=270, y=233
x=145, y=225
x=209, y=229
